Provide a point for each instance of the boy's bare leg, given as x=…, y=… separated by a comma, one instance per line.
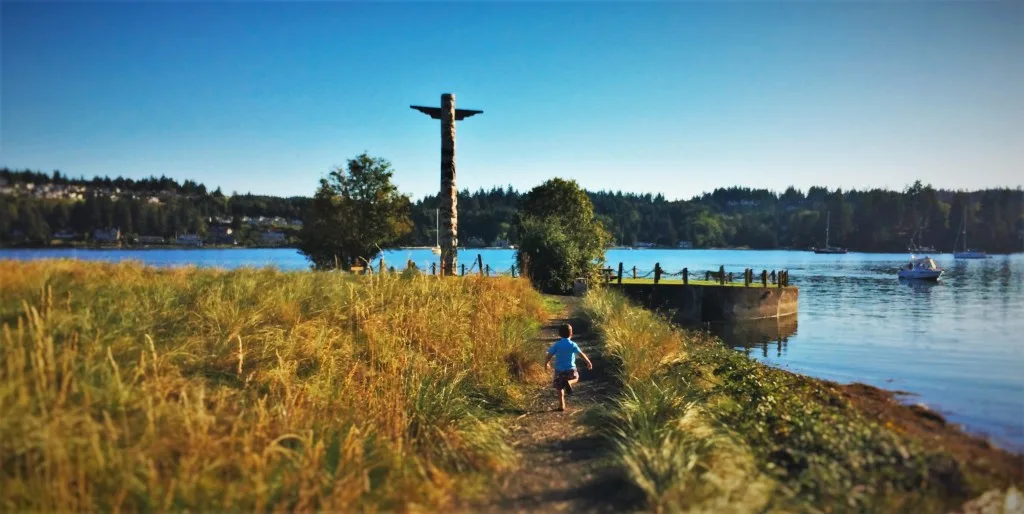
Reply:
x=561, y=398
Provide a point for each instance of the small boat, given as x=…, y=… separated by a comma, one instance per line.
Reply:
x=829, y=249
x=437, y=232
x=970, y=254
x=921, y=249
x=920, y=269
x=967, y=253
x=915, y=248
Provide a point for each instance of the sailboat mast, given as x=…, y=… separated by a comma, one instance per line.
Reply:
x=828, y=224
x=437, y=227
x=965, y=228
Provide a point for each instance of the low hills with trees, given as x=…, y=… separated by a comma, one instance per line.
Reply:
x=35, y=206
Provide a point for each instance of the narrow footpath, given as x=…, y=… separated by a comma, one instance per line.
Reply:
x=564, y=466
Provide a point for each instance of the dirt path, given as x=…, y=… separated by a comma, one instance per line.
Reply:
x=564, y=467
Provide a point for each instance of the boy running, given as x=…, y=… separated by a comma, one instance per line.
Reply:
x=564, y=352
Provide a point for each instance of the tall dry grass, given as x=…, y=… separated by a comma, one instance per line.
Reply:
x=662, y=430
x=124, y=387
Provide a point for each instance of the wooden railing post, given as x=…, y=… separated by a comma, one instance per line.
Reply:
x=433, y=268
x=480, y=264
x=488, y=272
x=382, y=268
x=619, y=278
x=463, y=269
x=764, y=278
x=686, y=276
x=657, y=272
x=721, y=275
x=634, y=272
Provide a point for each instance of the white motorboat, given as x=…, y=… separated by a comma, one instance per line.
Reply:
x=923, y=268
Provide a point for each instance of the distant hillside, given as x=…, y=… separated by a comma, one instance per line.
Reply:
x=35, y=207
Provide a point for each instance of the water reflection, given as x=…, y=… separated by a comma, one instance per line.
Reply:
x=919, y=286
x=762, y=334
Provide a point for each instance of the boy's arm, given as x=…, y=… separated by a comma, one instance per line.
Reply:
x=590, y=365
x=547, y=361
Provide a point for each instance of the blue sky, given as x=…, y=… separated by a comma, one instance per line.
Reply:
x=677, y=98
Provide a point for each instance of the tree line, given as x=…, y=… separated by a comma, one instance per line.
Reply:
x=875, y=220
x=862, y=220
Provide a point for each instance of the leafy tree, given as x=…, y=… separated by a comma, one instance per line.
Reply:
x=356, y=212
x=560, y=239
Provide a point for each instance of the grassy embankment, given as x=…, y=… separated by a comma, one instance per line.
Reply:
x=127, y=387
x=700, y=427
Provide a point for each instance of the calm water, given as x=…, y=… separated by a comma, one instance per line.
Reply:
x=957, y=345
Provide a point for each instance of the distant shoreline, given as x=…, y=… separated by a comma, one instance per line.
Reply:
x=461, y=249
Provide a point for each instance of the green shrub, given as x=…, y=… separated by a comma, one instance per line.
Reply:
x=560, y=240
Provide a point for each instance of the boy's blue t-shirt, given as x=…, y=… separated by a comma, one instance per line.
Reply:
x=564, y=351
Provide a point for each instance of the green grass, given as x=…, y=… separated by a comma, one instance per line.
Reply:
x=701, y=427
x=127, y=387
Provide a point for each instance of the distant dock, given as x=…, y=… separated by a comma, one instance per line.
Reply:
x=714, y=298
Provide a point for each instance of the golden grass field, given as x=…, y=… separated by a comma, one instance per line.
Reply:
x=125, y=387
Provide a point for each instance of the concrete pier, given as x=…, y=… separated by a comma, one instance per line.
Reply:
x=692, y=304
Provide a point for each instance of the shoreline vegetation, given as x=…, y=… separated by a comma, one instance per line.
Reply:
x=704, y=428
x=140, y=388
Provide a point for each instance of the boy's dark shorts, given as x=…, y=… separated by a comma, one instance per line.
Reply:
x=562, y=377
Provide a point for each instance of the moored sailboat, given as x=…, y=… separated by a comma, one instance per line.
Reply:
x=967, y=253
x=829, y=249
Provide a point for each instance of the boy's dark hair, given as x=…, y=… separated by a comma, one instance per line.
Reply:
x=565, y=330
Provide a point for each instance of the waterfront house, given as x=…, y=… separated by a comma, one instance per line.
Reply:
x=685, y=245
x=66, y=235
x=189, y=240
x=273, y=238
x=106, y=236
x=150, y=240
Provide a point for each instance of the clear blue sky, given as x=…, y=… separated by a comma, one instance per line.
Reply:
x=677, y=98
